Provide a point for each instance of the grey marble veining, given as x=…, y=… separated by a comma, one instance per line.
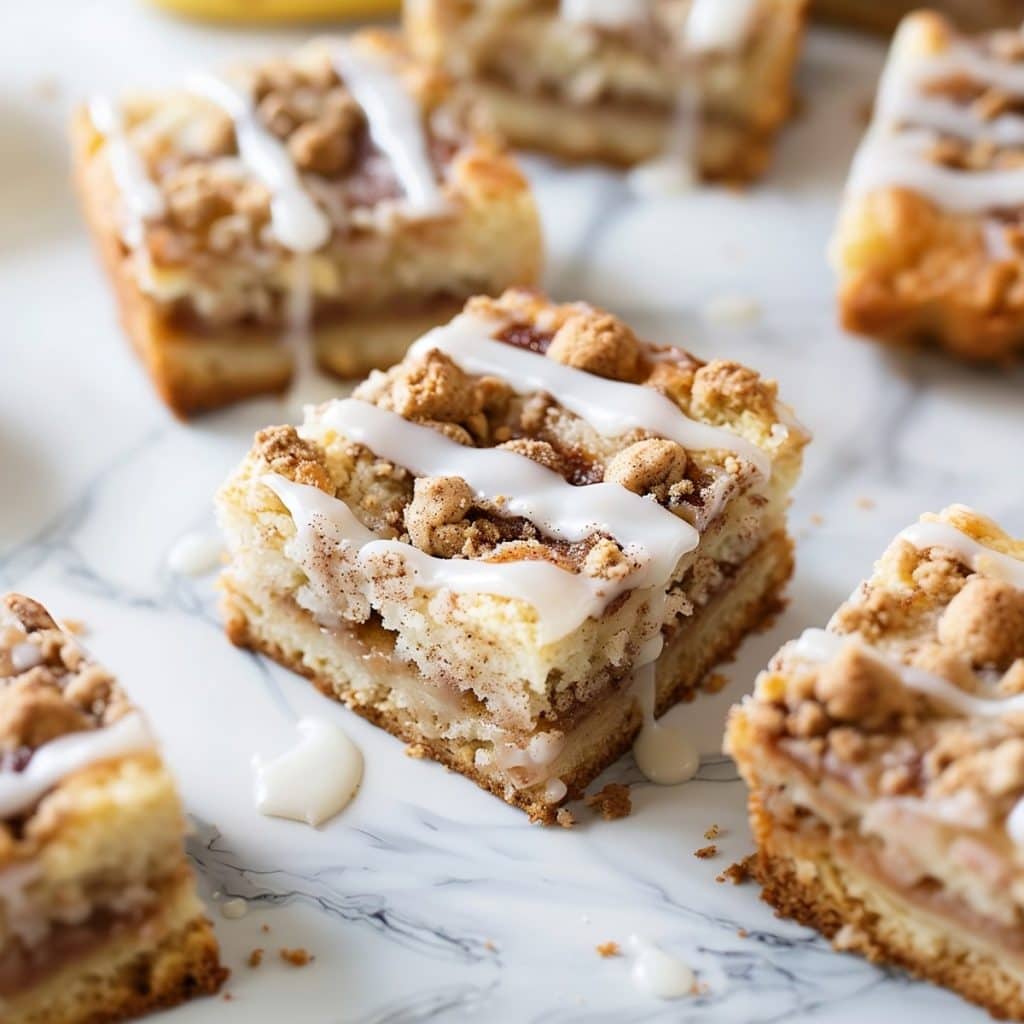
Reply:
x=429, y=900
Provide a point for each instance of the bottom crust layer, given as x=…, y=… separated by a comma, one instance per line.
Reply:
x=127, y=976
x=807, y=883
x=868, y=307
x=599, y=738
x=727, y=151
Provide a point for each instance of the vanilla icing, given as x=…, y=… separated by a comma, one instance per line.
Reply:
x=981, y=558
x=140, y=197
x=396, y=125
x=313, y=781
x=195, y=554
x=296, y=220
x=649, y=532
x=718, y=25
x=657, y=973
x=665, y=754
x=68, y=754
x=908, y=121
x=611, y=407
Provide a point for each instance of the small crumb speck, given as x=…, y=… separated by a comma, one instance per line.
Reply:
x=612, y=802
x=565, y=817
x=296, y=957
x=607, y=949
x=706, y=852
x=715, y=683
x=255, y=957
x=713, y=832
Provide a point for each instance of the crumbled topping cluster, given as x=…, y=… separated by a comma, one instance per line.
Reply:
x=48, y=687
x=855, y=717
x=216, y=208
x=441, y=515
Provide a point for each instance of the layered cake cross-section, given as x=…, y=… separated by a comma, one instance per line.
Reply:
x=330, y=205
x=507, y=545
x=885, y=760
x=929, y=246
x=99, y=917
x=702, y=84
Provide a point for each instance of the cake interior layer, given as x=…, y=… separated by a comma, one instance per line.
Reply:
x=621, y=135
x=454, y=731
x=122, y=970
x=809, y=879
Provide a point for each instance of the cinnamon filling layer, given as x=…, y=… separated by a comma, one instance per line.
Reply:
x=23, y=967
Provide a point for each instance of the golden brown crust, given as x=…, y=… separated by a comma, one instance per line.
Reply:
x=181, y=967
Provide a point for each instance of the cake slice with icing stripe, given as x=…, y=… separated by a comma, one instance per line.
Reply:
x=99, y=918
x=512, y=547
x=929, y=246
x=680, y=89
x=327, y=208
x=885, y=760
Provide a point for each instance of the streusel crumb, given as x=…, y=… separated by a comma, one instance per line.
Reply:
x=612, y=802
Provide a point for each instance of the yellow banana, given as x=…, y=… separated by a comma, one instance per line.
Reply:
x=278, y=10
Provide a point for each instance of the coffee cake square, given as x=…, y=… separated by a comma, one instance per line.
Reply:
x=327, y=206
x=505, y=547
x=928, y=246
x=703, y=85
x=885, y=760
x=99, y=917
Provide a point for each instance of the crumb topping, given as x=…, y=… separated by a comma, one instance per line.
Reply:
x=443, y=518
x=611, y=802
x=48, y=687
x=213, y=256
x=854, y=718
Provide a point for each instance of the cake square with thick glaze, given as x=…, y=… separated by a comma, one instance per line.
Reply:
x=885, y=761
x=928, y=247
x=99, y=918
x=699, y=85
x=484, y=546
x=330, y=205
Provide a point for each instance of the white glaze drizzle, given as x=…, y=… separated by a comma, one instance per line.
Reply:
x=314, y=780
x=907, y=122
x=649, y=532
x=820, y=646
x=562, y=599
x=665, y=754
x=980, y=557
x=297, y=222
x=195, y=554
x=396, y=125
x=67, y=754
x=141, y=198
x=605, y=13
x=657, y=973
x=611, y=407
x=886, y=159
x=718, y=25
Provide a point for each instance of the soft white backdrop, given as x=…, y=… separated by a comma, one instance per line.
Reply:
x=428, y=899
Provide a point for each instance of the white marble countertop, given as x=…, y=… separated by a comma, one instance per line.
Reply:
x=428, y=899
